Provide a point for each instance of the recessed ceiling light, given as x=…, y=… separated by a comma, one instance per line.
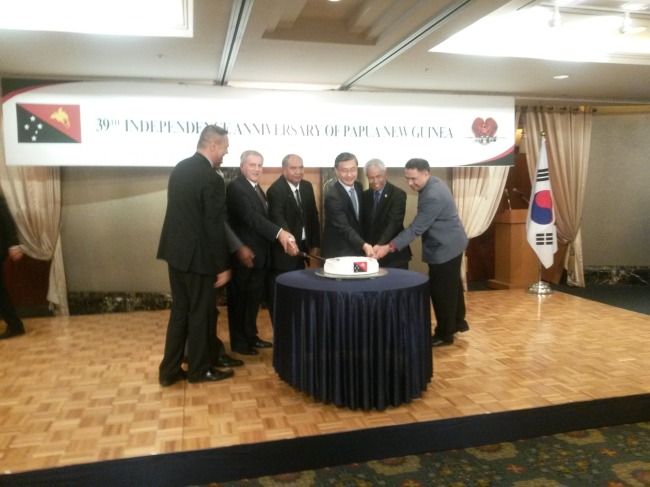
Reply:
x=561, y=76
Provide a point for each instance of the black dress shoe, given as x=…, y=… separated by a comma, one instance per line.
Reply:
x=11, y=333
x=261, y=344
x=462, y=327
x=170, y=381
x=213, y=375
x=245, y=351
x=439, y=342
x=228, y=361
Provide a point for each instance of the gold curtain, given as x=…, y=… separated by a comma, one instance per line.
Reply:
x=477, y=191
x=568, y=135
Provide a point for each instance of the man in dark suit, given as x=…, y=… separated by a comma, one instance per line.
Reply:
x=342, y=231
x=248, y=216
x=384, y=206
x=292, y=205
x=9, y=245
x=193, y=243
x=443, y=243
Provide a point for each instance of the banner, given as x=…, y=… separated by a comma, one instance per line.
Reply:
x=158, y=124
x=540, y=225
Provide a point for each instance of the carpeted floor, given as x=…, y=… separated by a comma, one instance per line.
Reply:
x=633, y=297
x=630, y=297
x=613, y=457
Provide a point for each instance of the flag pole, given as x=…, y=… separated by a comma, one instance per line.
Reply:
x=540, y=287
x=537, y=232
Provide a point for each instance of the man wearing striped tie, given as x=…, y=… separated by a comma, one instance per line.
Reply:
x=292, y=205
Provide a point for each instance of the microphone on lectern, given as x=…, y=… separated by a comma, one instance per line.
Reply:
x=508, y=198
x=522, y=195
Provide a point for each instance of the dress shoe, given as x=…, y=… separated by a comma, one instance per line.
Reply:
x=439, y=342
x=170, y=381
x=261, y=344
x=245, y=351
x=462, y=327
x=227, y=361
x=11, y=333
x=213, y=375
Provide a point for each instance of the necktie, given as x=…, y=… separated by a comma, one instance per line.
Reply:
x=353, y=197
x=302, y=234
x=262, y=197
x=376, y=204
x=298, y=199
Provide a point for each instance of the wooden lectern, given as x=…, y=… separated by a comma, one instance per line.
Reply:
x=516, y=264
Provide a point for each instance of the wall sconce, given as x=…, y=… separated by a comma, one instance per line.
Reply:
x=627, y=27
x=556, y=19
x=520, y=143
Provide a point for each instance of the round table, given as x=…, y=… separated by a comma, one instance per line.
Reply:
x=360, y=343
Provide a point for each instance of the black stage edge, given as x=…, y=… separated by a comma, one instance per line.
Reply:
x=282, y=456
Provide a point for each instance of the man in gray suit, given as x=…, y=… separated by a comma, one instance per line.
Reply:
x=443, y=243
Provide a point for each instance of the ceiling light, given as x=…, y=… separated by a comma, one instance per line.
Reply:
x=633, y=6
x=600, y=40
x=269, y=85
x=561, y=76
x=160, y=18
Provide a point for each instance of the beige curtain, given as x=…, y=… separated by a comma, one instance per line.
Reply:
x=568, y=135
x=477, y=191
x=33, y=194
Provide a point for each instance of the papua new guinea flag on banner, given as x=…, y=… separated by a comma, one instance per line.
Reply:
x=59, y=124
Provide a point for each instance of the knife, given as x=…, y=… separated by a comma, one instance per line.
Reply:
x=305, y=254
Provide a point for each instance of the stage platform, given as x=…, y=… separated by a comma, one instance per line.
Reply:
x=84, y=389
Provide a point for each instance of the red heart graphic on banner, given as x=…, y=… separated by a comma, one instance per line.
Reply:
x=484, y=128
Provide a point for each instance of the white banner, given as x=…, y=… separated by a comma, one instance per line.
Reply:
x=156, y=124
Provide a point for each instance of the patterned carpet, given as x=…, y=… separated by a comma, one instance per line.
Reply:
x=610, y=457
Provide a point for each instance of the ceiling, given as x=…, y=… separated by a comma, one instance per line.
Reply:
x=365, y=45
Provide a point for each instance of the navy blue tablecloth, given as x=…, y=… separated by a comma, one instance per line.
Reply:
x=360, y=343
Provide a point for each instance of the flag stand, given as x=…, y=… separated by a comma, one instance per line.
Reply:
x=540, y=287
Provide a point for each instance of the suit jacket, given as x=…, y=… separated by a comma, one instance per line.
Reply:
x=437, y=221
x=284, y=211
x=388, y=222
x=8, y=232
x=192, y=237
x=342, y=231
x=250, y=222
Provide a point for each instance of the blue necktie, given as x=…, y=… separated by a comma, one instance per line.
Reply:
x=353, y=197
x=375, y=206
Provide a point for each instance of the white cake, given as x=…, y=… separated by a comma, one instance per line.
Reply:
x=351, y=266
